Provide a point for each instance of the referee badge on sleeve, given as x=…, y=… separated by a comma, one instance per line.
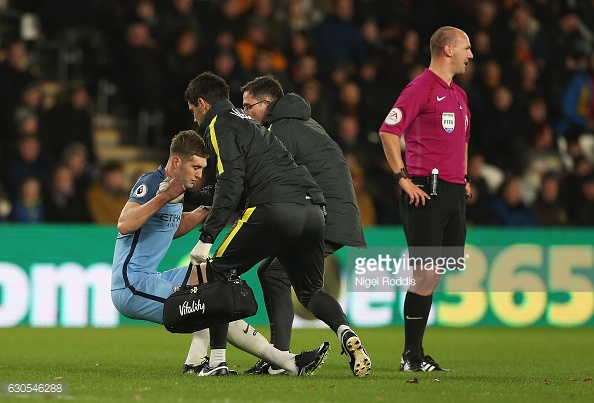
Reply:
x=394, y=117
x=448, y=121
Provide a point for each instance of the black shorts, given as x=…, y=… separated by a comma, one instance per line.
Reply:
x=438, y=227
x=294, y=233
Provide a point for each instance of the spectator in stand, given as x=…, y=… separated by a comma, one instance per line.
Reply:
x=30, y=102
x=142, y=76
x=70, y=121
x=15, y=74
x=348, y=137
x=548, y=207
x=321, y=111
x=490, y=77
x=5, y=205
x=29, y=160
x=508, y=207
x=530, y=86
x=264, y=11
x=257, y=38
x=227, y=66
x=106, y=197
x=364, y=199
x=585, y=205
x=143, y=11
x=182, y=62
x=306, y=68
x=263, y=65
x=27, y=123
x=229, y=16
x=76, y=157
x=569, y=42
x=338, y=37
x=542, y=158
x=571, y=186
x=28, y=206
x=481, y=48
x=63, y=203
x=349, y=99
x=374, y=100
x=578, y=103
x=524, y=28
x=478, y=209
x=501, y=138
x=179, y=16
x=301, y=15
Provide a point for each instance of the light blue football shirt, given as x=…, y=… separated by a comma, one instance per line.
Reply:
x=139, y=253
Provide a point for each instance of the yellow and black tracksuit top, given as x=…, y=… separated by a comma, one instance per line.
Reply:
x=248, y=159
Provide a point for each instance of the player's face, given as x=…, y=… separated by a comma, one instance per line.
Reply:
x=190, y=171
x=256, y=108
x=461, y=54
x=198, y=111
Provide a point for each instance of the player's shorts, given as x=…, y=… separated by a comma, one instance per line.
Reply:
x=144, y=298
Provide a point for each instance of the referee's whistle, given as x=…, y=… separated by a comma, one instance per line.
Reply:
x=434, y=179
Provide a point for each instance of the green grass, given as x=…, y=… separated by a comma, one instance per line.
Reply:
x=131, y=364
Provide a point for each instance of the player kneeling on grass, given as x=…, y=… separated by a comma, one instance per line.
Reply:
x=148, y=223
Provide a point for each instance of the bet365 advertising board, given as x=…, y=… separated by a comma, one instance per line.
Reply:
x=56, y=275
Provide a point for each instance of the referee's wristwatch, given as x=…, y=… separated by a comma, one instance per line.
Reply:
x=467, y=179
x=402, y=174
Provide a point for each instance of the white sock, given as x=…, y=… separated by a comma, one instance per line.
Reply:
x=340, y=331
x=217, y=356
x=248, y=339
x=198, y=347
x=281, y=359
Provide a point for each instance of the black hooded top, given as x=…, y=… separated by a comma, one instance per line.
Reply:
x=289, y=119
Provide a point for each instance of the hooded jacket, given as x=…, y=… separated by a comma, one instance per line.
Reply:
x=289, y=119
x=248, y=159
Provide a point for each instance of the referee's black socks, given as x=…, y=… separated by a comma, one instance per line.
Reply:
x=416, y=314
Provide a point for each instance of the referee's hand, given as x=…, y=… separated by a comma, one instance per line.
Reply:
x=415, y=193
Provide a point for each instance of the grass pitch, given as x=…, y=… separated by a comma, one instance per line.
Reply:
x=144, y=363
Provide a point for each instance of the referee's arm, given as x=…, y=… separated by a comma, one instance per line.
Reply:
x=393, y=151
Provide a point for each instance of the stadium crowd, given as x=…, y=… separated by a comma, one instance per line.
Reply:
x=530, y=90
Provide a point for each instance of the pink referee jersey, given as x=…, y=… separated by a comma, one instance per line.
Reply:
x=435, y=120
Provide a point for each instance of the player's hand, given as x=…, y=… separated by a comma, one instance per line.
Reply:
x=415, y=193
x=174, y=189
x=201, y=212
x=200, y=252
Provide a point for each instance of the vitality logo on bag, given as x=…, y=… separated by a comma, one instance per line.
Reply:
x=187, y=308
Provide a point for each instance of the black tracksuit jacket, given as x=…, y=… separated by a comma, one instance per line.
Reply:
x=248, y=159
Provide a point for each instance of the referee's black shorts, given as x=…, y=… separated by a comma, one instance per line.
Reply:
x=292, y=232
x=440, y=225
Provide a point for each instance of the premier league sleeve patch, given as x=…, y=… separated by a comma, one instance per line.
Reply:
x=140, y=191
x=394, y=117
x=448, y=121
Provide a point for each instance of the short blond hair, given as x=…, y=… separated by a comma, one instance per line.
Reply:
x=443, y=36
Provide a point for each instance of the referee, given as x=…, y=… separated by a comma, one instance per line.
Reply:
x=433, y=115
x=282, y=214
x=289, y=116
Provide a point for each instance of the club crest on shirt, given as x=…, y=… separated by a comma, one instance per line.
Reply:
x=140, y=190
x=394, y=117
x=448, y=121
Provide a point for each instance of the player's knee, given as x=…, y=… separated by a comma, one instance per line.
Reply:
x=305, y=296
